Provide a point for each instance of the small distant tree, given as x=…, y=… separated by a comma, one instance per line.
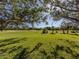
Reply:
x=53, y=28
x=45, y=31
x=63, y=27
x=56, y=29
x=67, y=29
x=67, y=25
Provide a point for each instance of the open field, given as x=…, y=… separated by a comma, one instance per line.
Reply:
x=34, y=45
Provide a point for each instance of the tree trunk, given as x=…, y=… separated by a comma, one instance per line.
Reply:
x=56, y=31
x=32, y=25
x=2, y=26
x=67, y=31
x=17, y=25
x=63, y=31
x=52, y=31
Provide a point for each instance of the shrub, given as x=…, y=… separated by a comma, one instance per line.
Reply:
x=73, y=31
x=52, y=32
x=45, y=31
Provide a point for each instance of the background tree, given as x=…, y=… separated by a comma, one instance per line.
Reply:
x=53, y=28
x=30, y=12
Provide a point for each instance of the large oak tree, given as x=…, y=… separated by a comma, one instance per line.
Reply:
x=68, y=9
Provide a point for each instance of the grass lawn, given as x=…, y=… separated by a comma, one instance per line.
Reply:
x=34, y=45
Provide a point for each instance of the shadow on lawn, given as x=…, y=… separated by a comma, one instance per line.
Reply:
x=75, y=34
x=67, y=49
x=9, y=42
x=15, y=48
x=54, y=53
x=25, y=53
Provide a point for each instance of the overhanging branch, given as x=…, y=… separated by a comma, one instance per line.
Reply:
x=71, y=18
x=72, y=10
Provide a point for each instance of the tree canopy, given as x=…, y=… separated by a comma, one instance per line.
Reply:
x=68, y=9
x=32, y=11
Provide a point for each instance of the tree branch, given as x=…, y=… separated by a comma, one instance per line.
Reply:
x=71, y=18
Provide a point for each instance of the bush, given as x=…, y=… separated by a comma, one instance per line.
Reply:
x=52, y=32
x=45, y=31
x=56, y=31
x=73, y=31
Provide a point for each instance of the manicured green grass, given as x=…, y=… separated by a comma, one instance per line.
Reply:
x=37, y=45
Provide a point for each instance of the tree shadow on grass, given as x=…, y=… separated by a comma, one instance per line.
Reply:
x=75, y=34
x=23, y=54
x=7, y=42
x=36, y=47
x=68, y=49
x=15, y=48
x=9, y=50
x=11, y=41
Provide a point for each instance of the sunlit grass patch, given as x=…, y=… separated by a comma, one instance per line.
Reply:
x=33, y=45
